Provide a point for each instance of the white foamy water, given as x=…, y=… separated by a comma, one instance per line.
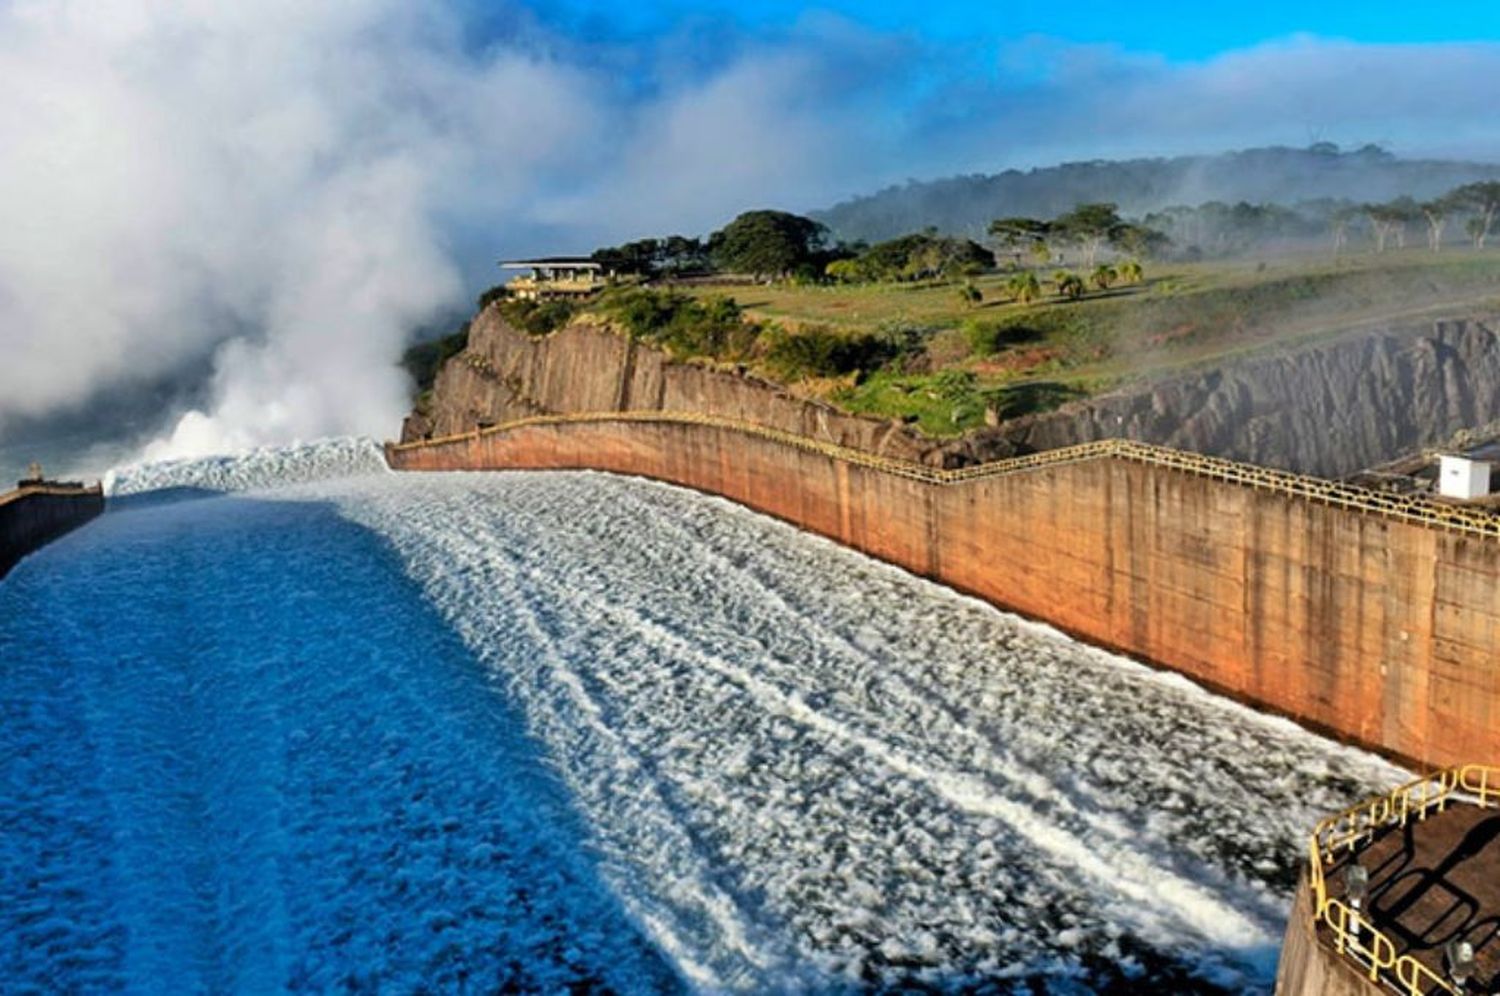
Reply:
x=798, y=768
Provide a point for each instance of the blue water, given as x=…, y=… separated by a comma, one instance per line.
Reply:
x=240, y=753
x=358, y=731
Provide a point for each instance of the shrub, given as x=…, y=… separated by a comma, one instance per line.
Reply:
x=821, y=352
x=1026, y=399
x=490, y=296
x=714, y=326
x=423, y=360
x=538, y=318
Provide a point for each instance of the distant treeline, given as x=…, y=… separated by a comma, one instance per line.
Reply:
x=965, y=205
x=778, y=245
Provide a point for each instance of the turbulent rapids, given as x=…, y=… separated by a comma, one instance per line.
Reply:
x=352, y=729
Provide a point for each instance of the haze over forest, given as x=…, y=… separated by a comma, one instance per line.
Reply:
x=225, y=221
x=965, y=205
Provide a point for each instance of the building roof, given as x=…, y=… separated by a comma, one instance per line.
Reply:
x=578, y=262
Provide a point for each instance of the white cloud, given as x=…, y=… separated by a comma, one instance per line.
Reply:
x=261, y=180
x=289, y=188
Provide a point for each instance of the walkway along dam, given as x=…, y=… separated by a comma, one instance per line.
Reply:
x=1370, y=616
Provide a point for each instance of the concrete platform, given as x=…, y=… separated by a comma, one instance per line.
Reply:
x=1432, y=881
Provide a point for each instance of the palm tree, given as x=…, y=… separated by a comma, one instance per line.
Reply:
x=1103, y=276
x=1131, y=272
x=1024, y=287
x=1069, y=285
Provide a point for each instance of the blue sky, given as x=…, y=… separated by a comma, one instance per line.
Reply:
x=238, y=180
x=1172, y=30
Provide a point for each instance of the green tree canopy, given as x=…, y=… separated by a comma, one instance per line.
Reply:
x=673, y=255
x=1483, y=199
x=1019, y=235
x=1390, y=219
x=767, y=243
x=1090, y=227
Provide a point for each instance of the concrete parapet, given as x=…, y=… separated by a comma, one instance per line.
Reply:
x=35, y=515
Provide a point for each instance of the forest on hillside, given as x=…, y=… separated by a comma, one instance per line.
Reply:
x=965, y=205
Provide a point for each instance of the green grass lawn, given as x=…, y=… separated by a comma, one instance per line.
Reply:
x=1017, y=358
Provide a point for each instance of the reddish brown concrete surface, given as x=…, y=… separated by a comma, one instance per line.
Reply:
x=1380, y=630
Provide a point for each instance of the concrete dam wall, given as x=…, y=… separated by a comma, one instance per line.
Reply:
x=1373, y=617
x=31, y=517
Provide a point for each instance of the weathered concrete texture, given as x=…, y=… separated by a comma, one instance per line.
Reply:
x=32, y=518
x=505, y=374
x=1383, y=631
x=1309, y=967
x=1328, y=410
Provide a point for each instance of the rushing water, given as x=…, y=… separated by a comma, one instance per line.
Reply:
x=538, y=731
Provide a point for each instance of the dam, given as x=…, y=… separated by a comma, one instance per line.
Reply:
x=1372, y=617
x=38, y=511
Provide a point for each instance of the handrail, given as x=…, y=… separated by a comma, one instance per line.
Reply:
x=1334, y=493
x=26, y=491
x=1375, y=952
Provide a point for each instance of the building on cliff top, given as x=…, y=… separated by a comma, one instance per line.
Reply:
x=555, y=277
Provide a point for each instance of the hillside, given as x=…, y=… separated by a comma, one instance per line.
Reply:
x=964, y=205
x=1320, y=365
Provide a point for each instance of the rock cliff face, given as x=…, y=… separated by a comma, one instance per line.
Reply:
x=505, y=374
x=1329, y=409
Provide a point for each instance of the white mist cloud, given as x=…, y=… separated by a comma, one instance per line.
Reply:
x=262, y=181
x=286, y=189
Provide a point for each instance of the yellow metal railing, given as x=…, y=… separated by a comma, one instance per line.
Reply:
x=1404, y=507
x=1355, y=936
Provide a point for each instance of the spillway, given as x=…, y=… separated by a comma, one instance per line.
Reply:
x=547, y=729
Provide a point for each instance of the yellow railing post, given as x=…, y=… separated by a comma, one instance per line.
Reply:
x=1346, y=830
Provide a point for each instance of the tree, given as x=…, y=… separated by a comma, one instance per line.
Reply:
x=1090, y=226
x=845, y=271
x=1131, y=272
x=1104, y=276
x=1140, y=240
x=1436, y=215
x=1069, y=285
x=1024, y=288
x=1381, y=222
x=970, y=294
x=767, y=243
x=1339, y=220
x=1017, y=235
x=673, y=255
x=924, y=255
x=1483, y=199
x=1390, y=219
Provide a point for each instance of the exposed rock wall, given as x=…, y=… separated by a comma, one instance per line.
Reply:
x=1329, y=409
x=1381, y=628
x=505, y=374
